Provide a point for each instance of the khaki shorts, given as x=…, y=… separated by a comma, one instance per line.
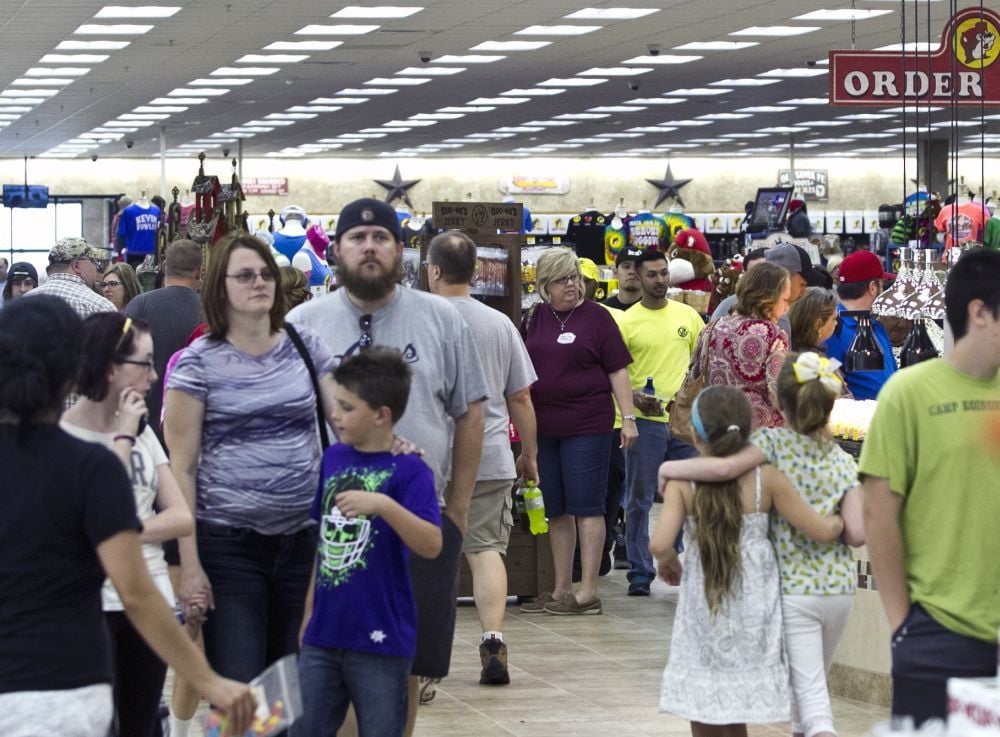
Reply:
x=490, y=518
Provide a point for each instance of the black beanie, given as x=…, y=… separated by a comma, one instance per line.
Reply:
x=368, y=211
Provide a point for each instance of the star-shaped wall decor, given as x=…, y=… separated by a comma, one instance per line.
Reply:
x=669, y=187
x=397, y=187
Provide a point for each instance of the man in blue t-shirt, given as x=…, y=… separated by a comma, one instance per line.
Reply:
x=860, y=281
x=373, y=508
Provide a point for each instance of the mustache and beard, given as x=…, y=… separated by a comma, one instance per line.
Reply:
x=370, y=287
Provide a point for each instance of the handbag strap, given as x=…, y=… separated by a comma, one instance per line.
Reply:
x=301, y=348
x=700, y=361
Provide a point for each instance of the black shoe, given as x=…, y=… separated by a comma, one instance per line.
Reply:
x=605, y=568
x=493, y=656
x=639, y=586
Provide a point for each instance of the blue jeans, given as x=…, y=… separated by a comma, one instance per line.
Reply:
x=332, y=678
x=654, y=445
x=259, y=584
x=574, y=474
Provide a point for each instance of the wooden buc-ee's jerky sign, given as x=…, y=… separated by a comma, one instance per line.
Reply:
x=963, y=70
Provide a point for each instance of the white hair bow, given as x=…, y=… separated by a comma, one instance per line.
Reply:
x=809, y=366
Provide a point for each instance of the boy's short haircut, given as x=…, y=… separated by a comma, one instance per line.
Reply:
x=378, y=375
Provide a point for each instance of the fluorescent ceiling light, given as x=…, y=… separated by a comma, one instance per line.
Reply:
x=443, y=145
x=792, y=72
x=74, y=58
x=235, y=134
x=303, y=45
x=140, y=11
x=220, y=81
x=464, y=140
x=619, y=135
x=271, y=58
x=121, y=29
x=775, y=31
x=830, y=140
x=28, y=93
x=385, y=130
x=611, y=13
x=437, y=116
x=48, y=81
x=498, y=100
x=409, y=123
x=201, y=91
x=533, y=92
x=178, y=101
x=615, y=109
x=250, y=129
x=700, y=91
x=824, y=123
x=510, y=45
x=9, y=116
x=116, y=129
x=865, y=116
x=519, y=129
x=551, y=123
x=102, y=136
x=337, y=30
x=14, y=109
x=20, y=100
x=279, y=123
x=398, y=81
x=369, y=91
x=687, y=122
x=314, y=108
x=466, y=109
x=431, y=71
x=91, y=45
x=911, y=109
x=291, y=116
x=572, y=82
x=765, y=109
x=582, y=116
x=955, y=124
x=56, y=71
x=661, y=59
x=744, y=82
x=653, y=129
x=238, y=71
x=842, y=14
x=377, y=11
x=725, y=116
x=129, y=125
x=716, y=45
x=587, y=140
x=869, y=135
x=614, y=71
x=910, y=46
x=338, y=100
x=744, y=135
x=557, y=30
x=806, y=101
x=654, y=101
x=365, y=135
x=783, y=129
x=144, y=116
x=468, y=58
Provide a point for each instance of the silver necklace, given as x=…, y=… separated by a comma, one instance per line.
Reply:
x=562, y=323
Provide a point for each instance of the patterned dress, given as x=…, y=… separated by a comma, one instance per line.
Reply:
x=747, y=353
x=730, y=668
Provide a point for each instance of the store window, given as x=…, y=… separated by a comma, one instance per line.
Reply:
x=27, y=234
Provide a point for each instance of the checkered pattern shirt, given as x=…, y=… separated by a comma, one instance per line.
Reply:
x=75, y=292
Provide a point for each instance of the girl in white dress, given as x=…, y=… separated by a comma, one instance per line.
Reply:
x=726, y=665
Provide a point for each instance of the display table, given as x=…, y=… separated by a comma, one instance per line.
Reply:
x=529, y=566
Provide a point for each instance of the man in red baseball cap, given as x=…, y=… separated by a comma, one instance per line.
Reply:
x=860, y=281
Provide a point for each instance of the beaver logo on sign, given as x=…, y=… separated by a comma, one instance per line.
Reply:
x=975, y=43
x=682, y=331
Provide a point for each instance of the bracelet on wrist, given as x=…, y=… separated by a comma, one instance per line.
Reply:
x=628, y=417
x=124, y=436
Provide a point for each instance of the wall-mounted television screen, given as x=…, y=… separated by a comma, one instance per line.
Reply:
x=769, y=209
x=25, y=195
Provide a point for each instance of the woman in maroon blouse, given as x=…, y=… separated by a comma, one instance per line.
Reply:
x=581, y=361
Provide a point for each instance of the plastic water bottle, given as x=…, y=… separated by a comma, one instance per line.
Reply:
x=535, y=508
x=648, y=389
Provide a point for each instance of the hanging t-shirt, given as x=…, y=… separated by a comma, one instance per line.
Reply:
x=363, y=599
x=962, y=224
x=991, y=238
x=647, y=230
x=319, y=273
x=137, y=226
x=586, y=233
x=615, y=237
x=416, y=230
x=676, y=222
x=288, y=245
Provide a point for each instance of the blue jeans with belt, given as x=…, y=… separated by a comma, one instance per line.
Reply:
x=259, y=584
x=654, y=445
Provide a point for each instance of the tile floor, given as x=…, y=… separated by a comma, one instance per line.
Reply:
x=581, y=676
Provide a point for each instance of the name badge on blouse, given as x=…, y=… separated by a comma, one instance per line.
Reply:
x=566, y=338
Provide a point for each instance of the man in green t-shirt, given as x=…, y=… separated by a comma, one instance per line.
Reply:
x=931, y=468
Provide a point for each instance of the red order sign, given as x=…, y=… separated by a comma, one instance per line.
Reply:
x=265, y=185
x=962, y=71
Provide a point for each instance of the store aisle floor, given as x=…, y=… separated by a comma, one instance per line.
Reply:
x=580, y=676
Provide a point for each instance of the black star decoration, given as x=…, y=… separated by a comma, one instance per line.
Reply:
x=669, y=187
x=397, y=187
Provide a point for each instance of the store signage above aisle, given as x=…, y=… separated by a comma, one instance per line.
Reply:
x=265, y=186
x=479, y=218
x=962, y=71
x=523, y=184
x=811, y=184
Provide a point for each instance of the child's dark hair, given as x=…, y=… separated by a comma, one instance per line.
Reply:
x=722, y=419
x=40, y=341
x=379, y=376
x=108, y=337
x=806, y=403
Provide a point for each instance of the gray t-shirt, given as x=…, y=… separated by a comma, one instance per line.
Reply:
x=508, y=370
x=260, y=454
x=172, y=313
x=434, y=341
x=727, y=305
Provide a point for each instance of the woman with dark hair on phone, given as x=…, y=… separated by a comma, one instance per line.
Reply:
x=115, y=373
x=69, y=520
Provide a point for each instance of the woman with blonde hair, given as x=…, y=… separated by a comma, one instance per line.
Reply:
x=581, y=361
x=120, y=284
x=295, y=285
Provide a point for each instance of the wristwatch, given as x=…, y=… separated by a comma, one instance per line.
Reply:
x=629, y=417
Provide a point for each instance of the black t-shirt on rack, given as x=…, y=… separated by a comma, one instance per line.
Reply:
x=586, y=233
x=61, y=498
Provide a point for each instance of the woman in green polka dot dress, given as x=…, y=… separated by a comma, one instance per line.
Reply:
x=817, y=579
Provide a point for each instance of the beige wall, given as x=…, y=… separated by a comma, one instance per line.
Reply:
x=324, y=185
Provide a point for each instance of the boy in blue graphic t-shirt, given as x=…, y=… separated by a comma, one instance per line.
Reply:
x=373, y=508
